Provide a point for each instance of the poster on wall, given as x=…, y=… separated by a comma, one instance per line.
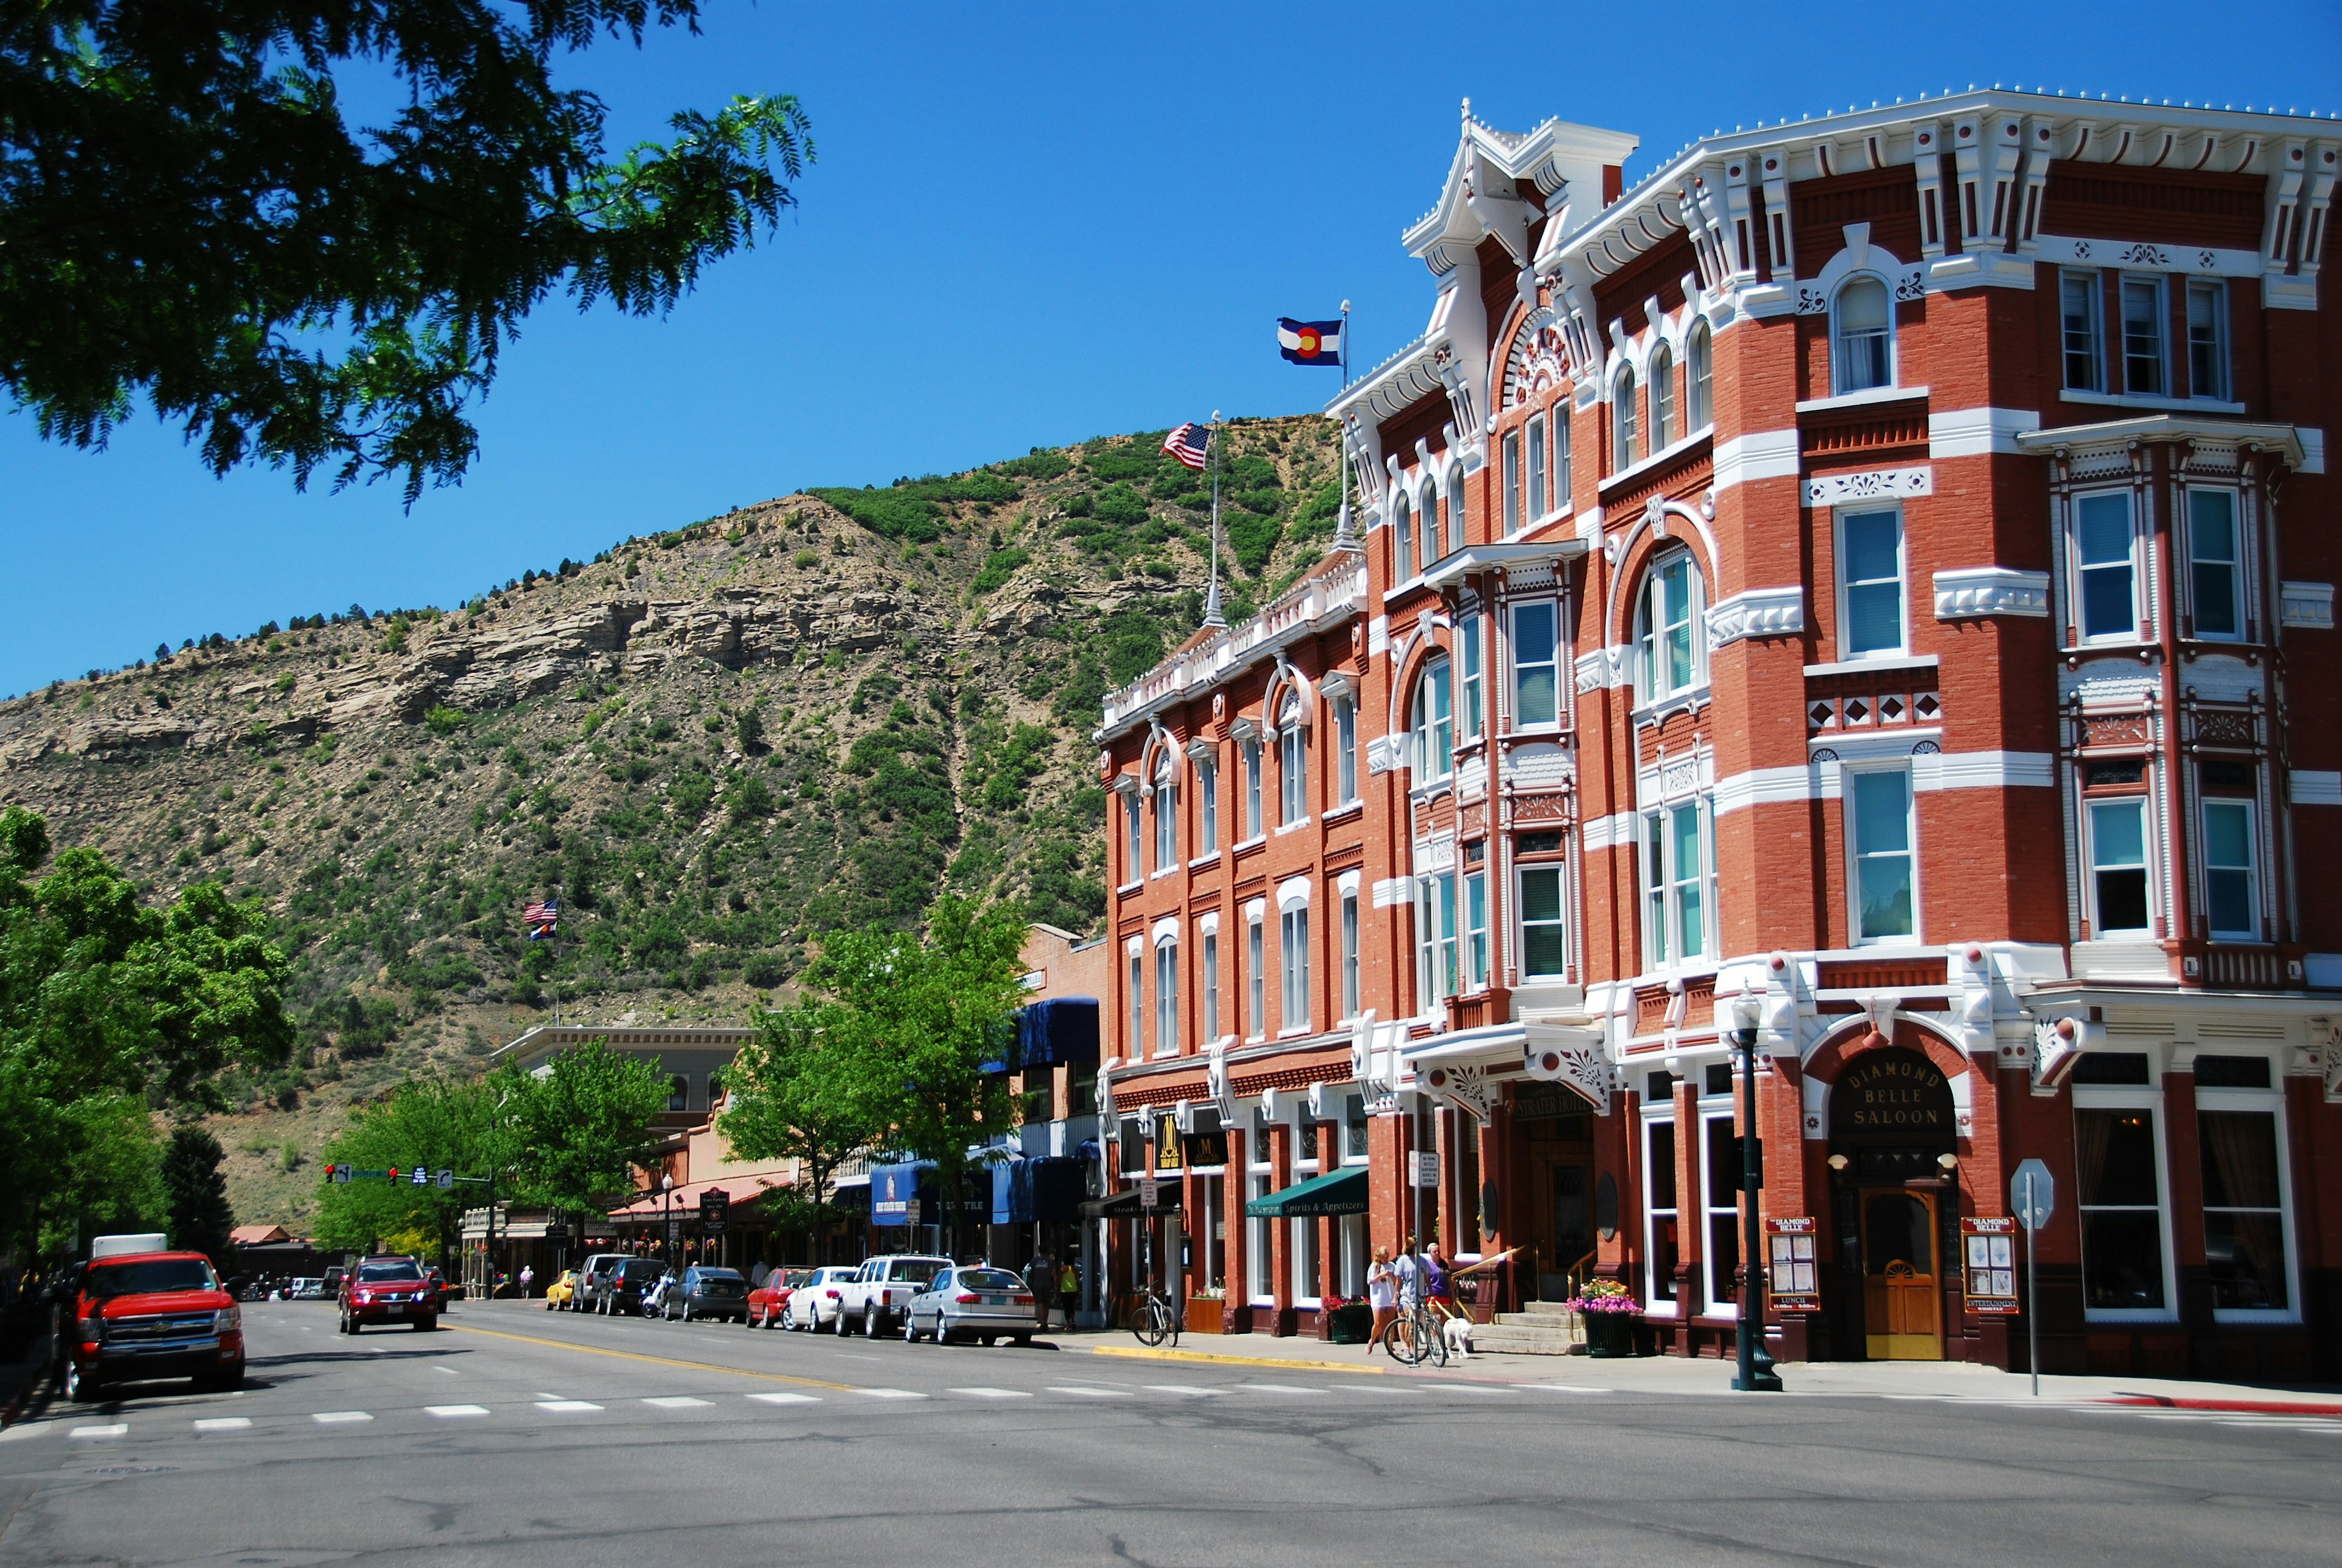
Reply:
x=1988, y=1259
x=1794, y=1270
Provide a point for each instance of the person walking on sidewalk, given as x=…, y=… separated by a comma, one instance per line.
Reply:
x=1382, y=1295
x=1407, y=1269
x=1041, y=1278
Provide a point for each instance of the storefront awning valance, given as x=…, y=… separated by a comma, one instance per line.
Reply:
x=1125, y=1205
x=1062, y=1029
x=1044, y=1188
x=1336, y=1192
x=894, y=1188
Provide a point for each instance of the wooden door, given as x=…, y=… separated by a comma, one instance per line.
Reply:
x=1902, y=1302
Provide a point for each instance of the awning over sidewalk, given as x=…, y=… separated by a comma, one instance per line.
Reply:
x=1336, y=1192
x=1124, y=1204
x=1043, y=1188
x=895, y=1187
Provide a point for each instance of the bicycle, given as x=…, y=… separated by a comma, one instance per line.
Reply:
x=1416, y=1336
x=1156, y=1322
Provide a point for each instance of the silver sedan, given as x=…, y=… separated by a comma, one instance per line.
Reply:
x=974, y=1301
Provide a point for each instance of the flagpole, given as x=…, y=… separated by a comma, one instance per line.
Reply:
x=1344, y=537
x=1212, y=614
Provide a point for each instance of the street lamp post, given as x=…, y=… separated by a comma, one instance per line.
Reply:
x=666, y=1188
x=1757, y=1374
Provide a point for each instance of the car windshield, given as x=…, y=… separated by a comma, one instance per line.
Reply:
x=918, y=1271
x=385, y=1273
x=642, y=1268
x=989, y=1279
x=720, y=1276
x=149, y=1277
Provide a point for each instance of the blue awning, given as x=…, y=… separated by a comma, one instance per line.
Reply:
x=1062, y=1029
x=1046, y=1189
x=1000, y=1054
x=893, y=1188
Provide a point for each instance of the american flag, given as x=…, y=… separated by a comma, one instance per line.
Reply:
x=537, y=914
x=1189, y=444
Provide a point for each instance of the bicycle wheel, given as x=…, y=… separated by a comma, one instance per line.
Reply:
x=1400, y=1342
x=1435, y=1336
x=1152, y=1322
x=1171, y=1325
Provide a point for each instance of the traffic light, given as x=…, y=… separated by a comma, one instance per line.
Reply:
x=394, y=1172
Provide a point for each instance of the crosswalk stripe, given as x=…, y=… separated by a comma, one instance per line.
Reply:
x=455, y=1412
x=338, y=1417
x=675, y=1403
x=1091, y=1393
x=888, y=1394
x=993, y=1393
x=786, y=1398
x=1186, y=1389
x=101, y=1433
x=1276, y=1388
x=565, y=1406
x=225, y=1423
x=1472, y=1387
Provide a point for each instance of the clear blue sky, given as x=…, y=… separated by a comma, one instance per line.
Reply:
x=1028, y=225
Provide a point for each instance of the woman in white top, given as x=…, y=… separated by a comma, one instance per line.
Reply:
x=1382, y=1294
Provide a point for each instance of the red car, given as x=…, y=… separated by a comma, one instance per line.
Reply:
x=152, y=1314
x=768, y=1301
x=389, y=1290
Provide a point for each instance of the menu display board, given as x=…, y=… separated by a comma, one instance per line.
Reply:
x=1794, y=1272
x=1988, y=1263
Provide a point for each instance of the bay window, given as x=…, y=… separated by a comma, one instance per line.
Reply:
x=1537, y=664
x=2106, y=575
x=1436, y=978
x=1475, y=932
x=2215, y=574
x=2117, y=851
x=1472, y=688
x=2231, y=894
x=1544, y=945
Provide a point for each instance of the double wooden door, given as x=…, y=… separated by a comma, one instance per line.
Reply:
x=1902, y=1294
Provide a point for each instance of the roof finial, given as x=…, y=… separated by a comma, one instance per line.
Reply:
x=1467, y=110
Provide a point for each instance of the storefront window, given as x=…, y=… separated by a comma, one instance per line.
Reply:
x=1660, y=1248
x=2244, y=1206
x=1259, y=1180
x=2116, y=1160
x=1723, y=1172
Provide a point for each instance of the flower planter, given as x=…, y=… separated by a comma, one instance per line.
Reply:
x=1611, y=1334
x=1204, y=1315
x=1350, y=1324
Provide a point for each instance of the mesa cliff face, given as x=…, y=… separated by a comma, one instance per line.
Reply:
x=713, y=745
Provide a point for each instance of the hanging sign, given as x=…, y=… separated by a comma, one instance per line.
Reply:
x=1794, y=1274
x=1988, y=1246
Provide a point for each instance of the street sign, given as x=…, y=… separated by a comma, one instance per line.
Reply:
x=1148, y=1188
x=1427, y=1168
x=339, y=1173
x=446, y=1181
x=714, y=1212
x=911, y=1212
x=422, y=1178
x=2032, y=1194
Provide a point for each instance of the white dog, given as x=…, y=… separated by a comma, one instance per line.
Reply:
x=1457, y=1333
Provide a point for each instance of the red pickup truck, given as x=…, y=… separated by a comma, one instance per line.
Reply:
x=152, y=1315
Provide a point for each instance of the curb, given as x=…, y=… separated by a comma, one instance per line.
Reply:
x=1216, y=1358
x=2232, y=1406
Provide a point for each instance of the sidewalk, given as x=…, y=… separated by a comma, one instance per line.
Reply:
x=1677, y=1375
x=20, y=1381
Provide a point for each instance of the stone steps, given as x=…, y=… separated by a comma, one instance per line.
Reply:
x=1539, y=1328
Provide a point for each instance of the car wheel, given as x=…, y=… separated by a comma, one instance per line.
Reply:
x=81, y=1387
x=910, y=1329
x=872, y=1321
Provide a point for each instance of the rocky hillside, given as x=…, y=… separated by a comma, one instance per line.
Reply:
x=713, y=743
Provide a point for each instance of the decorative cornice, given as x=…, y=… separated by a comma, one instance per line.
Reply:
x=1757, y=613
x=1870, y=485
x=2307, y=605
x=1612, y=667
x=1973, y=591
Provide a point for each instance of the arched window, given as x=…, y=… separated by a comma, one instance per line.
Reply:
x=1402, y=538
x=1434, y=521
x=678, y=1092
x=1663, y=399
x=1292, y=762
x=1456, y=507
x=1432, y=729
x=1167, y=812
x=1701, y=377
x=1669, y=632
x=1863, y=324
x=1622, y=413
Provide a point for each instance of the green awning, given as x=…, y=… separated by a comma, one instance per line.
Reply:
x=1338, y=1193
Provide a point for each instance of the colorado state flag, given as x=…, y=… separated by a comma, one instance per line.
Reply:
x=1309, y=342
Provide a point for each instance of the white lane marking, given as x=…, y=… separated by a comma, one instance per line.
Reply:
x=786, y=1398
x=455, y=1411
x=1276, y=1388
x=1092, y=1393
x=1472, y=1387
x=542, y=1395
x=565, y=1406
x=993, y=1393
x=888, y=1394
x=1186, y=1389
x=1566, y=1388
x=225, y=1423
x=674, y=1403
x=849, y=1355
x=103, y=1433
x=1371, y=1388
x=450, y=1371
x=339, y=1417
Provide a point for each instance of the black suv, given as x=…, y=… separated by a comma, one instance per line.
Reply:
x=618, y=1285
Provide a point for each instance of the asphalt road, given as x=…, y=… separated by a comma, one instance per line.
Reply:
x=522, y=1437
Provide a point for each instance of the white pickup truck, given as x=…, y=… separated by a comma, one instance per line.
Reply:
x=876, y=1298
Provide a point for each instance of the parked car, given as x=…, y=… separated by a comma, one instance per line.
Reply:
x=974, y=1301
x=873, y=1299
x=622, y=1285
x=329, y=1284
x=592, y=1279
x=707, y=1292
x=308, y=1288
x=814, y=1304
x=561, y=1295
x=768, y=1303
x=141, y=1314
x=389, y=1289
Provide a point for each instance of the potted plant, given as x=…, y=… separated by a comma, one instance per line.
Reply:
x=1346, y=1321
x=1610, y=1312
x=1205, y=1309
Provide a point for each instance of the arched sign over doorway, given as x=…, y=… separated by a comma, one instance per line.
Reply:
x=1891, y=1112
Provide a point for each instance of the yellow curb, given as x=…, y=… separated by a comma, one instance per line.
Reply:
x=655, y=1360
x=1141, y=1352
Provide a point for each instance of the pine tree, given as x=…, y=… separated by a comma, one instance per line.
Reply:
x=200, y=1217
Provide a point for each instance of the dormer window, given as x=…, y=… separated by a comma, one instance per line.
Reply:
x=1864, y=330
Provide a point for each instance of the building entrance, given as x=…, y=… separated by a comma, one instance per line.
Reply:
x=1554, y=1133
x=1903, y=1300
x=1892, y=1121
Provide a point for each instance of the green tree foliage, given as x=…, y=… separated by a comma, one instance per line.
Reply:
x=201, y=1219
x=577, y=1134
x=105, y=1003
x=187, y=212
x=437, y=1124
x=800, y=1090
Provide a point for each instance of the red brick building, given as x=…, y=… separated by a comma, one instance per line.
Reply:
x=1882, y=568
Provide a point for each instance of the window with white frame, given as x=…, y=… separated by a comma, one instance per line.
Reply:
x=1293, y=958
x=1250, y=749
x=1537, y=467
x=2208, y=339
x=2118, y=1187
x=1207, y=806
x=1292, y=763
x=1135, y=1044
x=1456, y=508
x=1436, y=977
x=1870, y=581
x=1432, y=728
x=1260, y=1178
x=1211, y=985
x=1402, y=537
x=1679, y=868
x=1879, y=841
x=2142, y=336
x=1133, y=868
x=1473, y=689
x=1545, y=933
x=2215, y=565
x=1167, y=996
x=1624, y=450
x=1166, y=811
x=2248, y=1197
x=2231, y=891
x=1514, y=481
x=1699, y=375
x=1475, y=932
x=1863, y=323
x=2077, y=320
x=1345, y=749
x=1670, y=642
x=2113, y=823
x=1662, y=1236
x=1663, y=399
x=1255, y=975
x=1433, y=507
x=2105, y=570
x=1537, y=664
x=1350, y=936
x=1561, y=472
x=1720, y=1171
